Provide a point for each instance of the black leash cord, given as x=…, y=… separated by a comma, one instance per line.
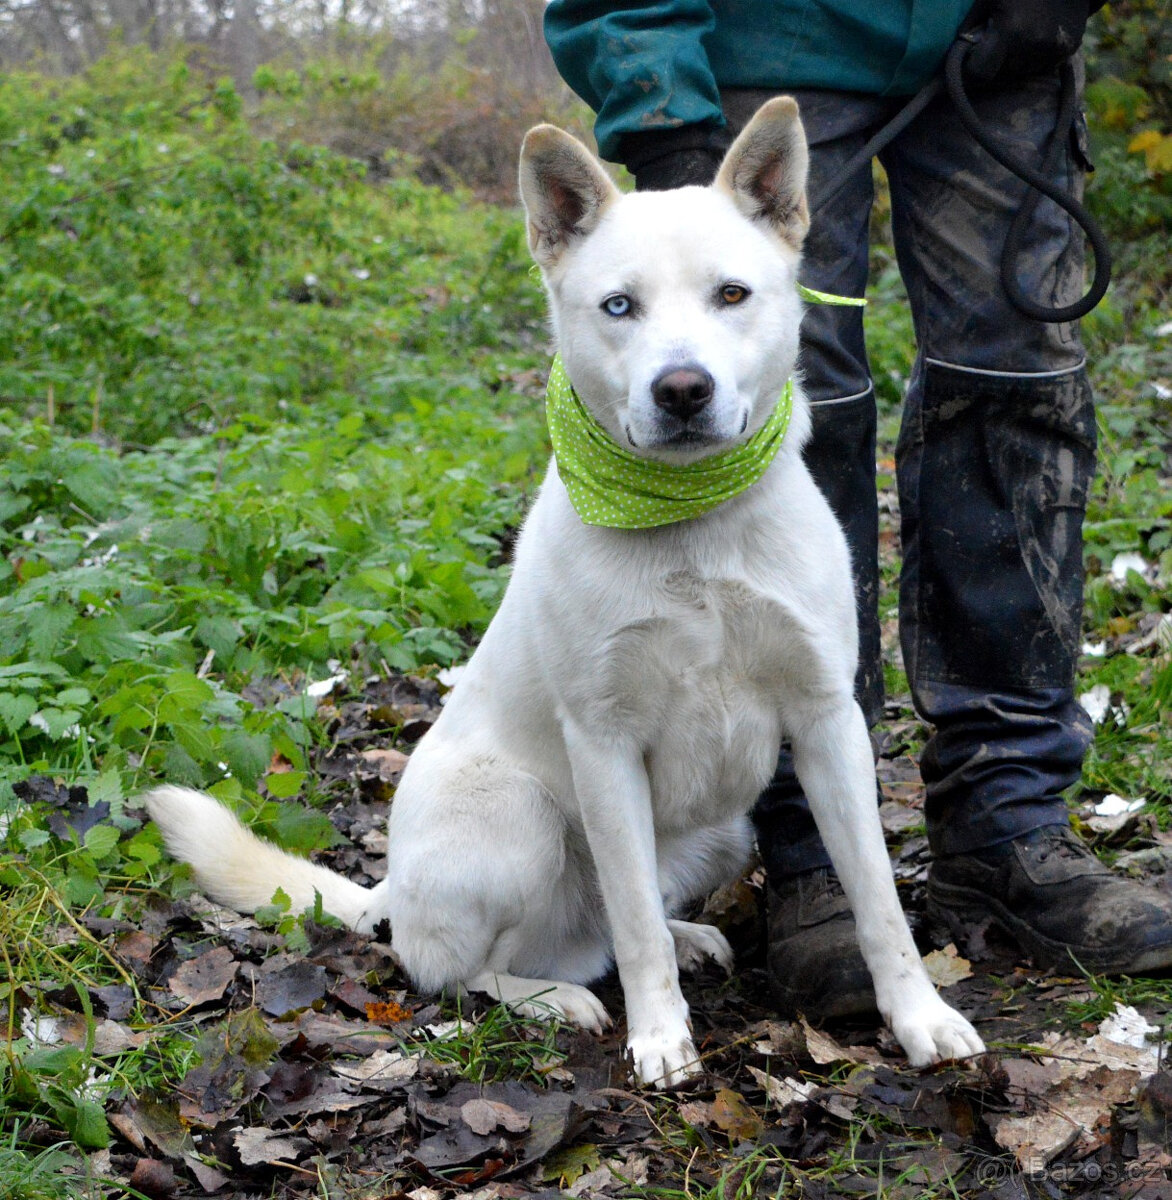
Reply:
x=1043, y=185
x=1040, y=181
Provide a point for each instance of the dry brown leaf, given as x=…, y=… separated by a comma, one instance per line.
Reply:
x=1069, y=1111
x=1031, y=1077
x=735, y=1117
x=779, y=1037
x=383, y=1069
x=153, y=1177
x=697, y=1113
x=1035, y=1139
x=260, y=1145
x=388, y=763
x=837, y=1103
x=946, y=967
x=897, y=817
x=823, y=1049
x=110, y=1037
x=483, y=1116
x=782, y=1092
x=128, y=1129
x=206, y=978
x=209, y=1178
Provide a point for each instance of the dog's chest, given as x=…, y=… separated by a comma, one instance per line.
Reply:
x=702, y=682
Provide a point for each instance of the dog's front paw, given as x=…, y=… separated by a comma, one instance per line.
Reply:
x=931, y=1031
x=569, y=1002
x=663, y=1060
x=695, y=943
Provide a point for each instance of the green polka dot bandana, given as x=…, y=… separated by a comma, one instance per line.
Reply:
x=610, y=486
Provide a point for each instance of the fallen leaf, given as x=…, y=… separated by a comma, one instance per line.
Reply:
x=387, y=1012
x=353, y=995
x=823, y=1049
x=290, y=989
x=206, y=978
x=696, y=1113
x=260, y=1145
x=782, y=1092
x=1037, y=1138
x=946, y=967
x=388, y=763
x=733, y=1115
x=896, y=817
x=152, y=1177
x=597, y=1182
x=112, y=1038
x=780, y=1037
x=125, y=1126
x=836, y=1102
x=147, y=1118
x=383, y=1070
x=136, y=948
x=339, y=1036
x=458, y=1146
x=209, y=1178
x=483, y=1116
x=569, y=1164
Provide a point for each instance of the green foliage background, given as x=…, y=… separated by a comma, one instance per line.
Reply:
x=255, y=407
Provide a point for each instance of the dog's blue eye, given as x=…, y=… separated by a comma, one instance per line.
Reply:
x=733, y=293
x=617, y=305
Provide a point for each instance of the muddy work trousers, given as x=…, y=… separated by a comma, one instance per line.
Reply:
x=993, y=464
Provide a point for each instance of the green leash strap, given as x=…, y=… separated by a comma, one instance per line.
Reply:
x=813, y=297
x=610, y=486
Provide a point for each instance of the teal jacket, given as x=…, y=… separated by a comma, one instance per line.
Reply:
x=659, y=64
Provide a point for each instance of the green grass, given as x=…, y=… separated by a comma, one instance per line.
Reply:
x=498, y=1045
x=1108, y=994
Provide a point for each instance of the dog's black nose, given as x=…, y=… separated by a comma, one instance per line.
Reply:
x=683, y=391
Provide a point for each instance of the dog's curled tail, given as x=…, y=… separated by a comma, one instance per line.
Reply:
x=236, y=868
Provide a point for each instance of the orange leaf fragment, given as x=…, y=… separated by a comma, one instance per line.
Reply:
x=387, y=1012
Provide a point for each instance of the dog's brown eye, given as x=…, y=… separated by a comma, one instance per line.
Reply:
x=733, y=293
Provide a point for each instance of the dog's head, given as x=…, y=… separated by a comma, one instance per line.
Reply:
x=675, y=312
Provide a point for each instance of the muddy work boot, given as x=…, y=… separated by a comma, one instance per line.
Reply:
x=813, y=959
x=1061, y=905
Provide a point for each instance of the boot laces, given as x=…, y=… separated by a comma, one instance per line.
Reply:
x=826, y=885
x=1061, y=842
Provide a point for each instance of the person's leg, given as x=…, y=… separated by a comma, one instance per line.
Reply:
x=812, y=956
x=994, y=465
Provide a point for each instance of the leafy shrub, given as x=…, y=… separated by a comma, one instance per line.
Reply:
x=340, y=361
x=163, y=270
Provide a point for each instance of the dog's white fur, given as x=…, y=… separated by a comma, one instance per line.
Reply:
x=594, y=766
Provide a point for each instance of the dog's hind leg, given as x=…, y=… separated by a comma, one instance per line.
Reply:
x=691, y=865
x=484, y=892
x=696, y=943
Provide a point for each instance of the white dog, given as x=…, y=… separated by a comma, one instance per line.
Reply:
x=593, y=767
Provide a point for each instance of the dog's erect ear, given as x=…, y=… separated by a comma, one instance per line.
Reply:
x=765, y=170
x=564, y=190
